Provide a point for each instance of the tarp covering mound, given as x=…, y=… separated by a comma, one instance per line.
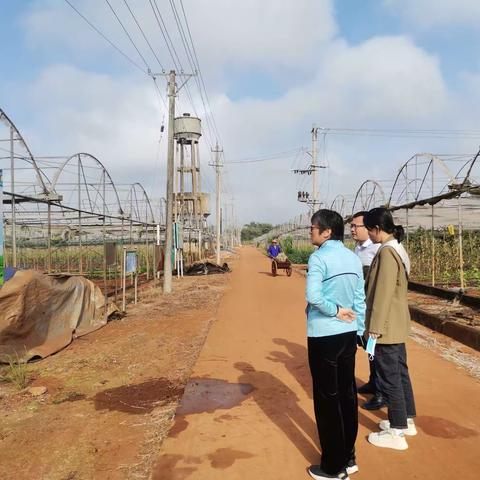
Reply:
x=206, y=268
x=41, y=314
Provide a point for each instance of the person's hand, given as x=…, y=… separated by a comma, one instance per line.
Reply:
x=346, y=315
x=374, y=336
x=361, y=342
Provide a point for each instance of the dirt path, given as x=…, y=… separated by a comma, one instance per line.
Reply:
x=247, y=412
x=111, y=394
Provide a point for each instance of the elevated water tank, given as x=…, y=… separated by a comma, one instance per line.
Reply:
x=188, y=128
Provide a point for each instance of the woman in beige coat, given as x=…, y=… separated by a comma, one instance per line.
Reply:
x=388, y=322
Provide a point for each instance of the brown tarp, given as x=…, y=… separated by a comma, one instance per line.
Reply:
x=41, y=314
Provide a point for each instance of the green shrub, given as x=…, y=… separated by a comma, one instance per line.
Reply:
x=300, y=255
x=287, y=245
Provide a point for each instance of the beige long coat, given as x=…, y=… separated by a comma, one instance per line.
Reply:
x=386, y=298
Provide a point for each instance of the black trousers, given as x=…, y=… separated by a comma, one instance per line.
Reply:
x=373, y=376
x=332, y=365
x=394, y=383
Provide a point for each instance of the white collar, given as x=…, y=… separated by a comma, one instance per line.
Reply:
x=366, y=243
x=402, y=253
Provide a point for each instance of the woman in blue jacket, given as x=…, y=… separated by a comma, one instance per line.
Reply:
x=335, y=316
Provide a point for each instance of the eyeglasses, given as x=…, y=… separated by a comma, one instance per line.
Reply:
x=354, y=227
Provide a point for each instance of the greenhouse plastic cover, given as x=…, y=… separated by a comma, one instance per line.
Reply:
x=41, y=314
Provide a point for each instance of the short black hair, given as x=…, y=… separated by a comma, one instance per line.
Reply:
x=362, y=213
x=324, y=219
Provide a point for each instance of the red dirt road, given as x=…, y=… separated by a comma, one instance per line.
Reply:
x=248, y=412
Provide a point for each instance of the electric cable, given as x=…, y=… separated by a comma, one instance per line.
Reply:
x=135, y=64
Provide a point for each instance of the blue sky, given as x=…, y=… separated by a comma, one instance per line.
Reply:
x=454, y=44
x=271, y=72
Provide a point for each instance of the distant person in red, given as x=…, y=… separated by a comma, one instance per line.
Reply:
x=274, y=249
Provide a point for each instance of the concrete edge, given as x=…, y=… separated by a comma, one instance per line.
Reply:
x=469, y=336
x=463, y=298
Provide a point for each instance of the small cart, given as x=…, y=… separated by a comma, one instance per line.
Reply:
x=279, y=265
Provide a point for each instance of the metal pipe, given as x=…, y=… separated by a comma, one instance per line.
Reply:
x=104, y=245
x=12, y=187
x=49, y=239
x=433, y=231
x=80, y=259
x=460, y=243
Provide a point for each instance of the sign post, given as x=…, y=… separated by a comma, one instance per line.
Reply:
x=178, y=247
x=129, y=266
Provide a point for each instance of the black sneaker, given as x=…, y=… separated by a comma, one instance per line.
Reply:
x=367, y=388
x=352, y=466
x=375, y=403
x=315, y=471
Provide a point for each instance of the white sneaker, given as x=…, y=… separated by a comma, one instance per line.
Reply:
x=352, y=468
x=391, y=438
x=411, y=430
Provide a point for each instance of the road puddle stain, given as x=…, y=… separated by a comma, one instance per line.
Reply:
x=179, y=426
x=225, y=457
x=166, y=468
x=140, y=398
x=443, y=428
x=210, y=394
x=227, y=417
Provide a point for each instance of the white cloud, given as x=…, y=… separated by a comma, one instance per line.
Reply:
x=382, y=79
x=115, y=119
x=268, y=33
x=386, y=82
x=49, y=24
x=434, y=13
x=227, y=33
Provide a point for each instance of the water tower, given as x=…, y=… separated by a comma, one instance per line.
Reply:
x=190, y=203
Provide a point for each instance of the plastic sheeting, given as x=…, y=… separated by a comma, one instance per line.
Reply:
x=206, y=268
x=41, y=314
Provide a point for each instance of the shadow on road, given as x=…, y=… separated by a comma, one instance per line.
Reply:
x=280, y=404
x=296, y=363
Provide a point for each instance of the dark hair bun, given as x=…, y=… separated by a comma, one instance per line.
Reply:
x=398, y=232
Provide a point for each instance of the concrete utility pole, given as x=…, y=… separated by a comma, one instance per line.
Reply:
x=217, y=166
x=303, y=196
x=167, y=273
x=314, y=168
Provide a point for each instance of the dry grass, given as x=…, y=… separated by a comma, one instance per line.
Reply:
x=449, y=350
x=15, y=372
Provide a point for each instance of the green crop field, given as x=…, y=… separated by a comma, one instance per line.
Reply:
x=437, y=260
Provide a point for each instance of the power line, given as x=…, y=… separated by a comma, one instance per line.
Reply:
x=144, y=36
x=190, y=59
x=199, y=70
x=106, y=38
x=166, y=35
x=128, y=35
x=176, y=58
x=182, y=34
x=118, y=49
x=404, y=133
x=170, y=46
x=328, y=130
x=267, y=158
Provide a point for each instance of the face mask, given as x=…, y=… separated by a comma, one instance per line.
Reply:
x=371, y=348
